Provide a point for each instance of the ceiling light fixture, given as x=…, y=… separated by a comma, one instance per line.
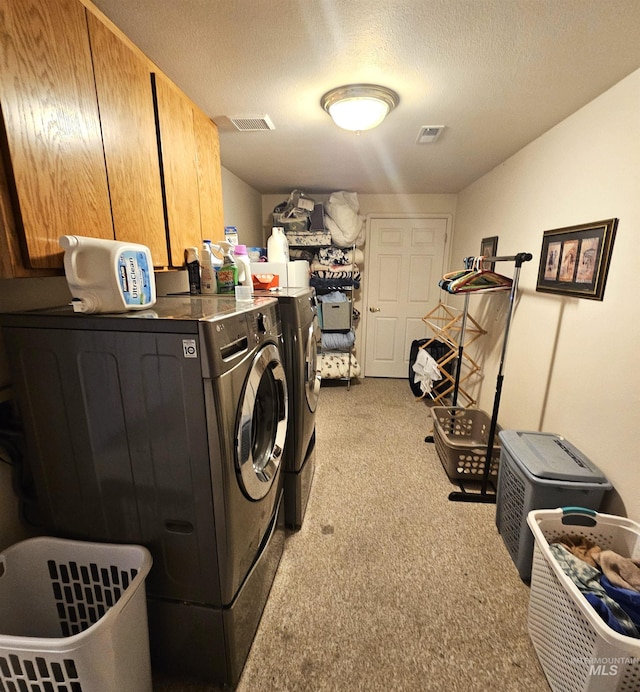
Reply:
x=359, y=107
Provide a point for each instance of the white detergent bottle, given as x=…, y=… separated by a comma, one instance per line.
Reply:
x=108, y=275
x=207, y=272
x=277, y=246
x=244, y=266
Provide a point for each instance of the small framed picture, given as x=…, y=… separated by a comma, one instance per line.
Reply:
x=574, y=261
x=489, y=248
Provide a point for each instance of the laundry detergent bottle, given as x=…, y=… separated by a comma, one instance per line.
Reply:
x=227, y=274
x=108, y=275
x=277, y=245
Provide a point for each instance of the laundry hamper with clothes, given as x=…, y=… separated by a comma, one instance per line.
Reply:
x=540, y=470
x=577, y=650
x=73, y=617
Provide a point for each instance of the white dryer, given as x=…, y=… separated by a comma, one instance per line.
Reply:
x=165, y=428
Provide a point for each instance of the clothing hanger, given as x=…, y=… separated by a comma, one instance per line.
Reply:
x=479, y=279
x=449, y=277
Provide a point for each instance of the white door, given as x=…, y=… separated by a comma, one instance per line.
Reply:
x=406, y=261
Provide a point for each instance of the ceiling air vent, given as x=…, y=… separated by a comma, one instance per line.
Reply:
x=429, y=133
x=252, y=123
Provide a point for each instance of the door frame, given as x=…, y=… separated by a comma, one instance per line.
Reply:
x=364, y=306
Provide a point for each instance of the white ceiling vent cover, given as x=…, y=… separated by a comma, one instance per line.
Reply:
x=429, y=133
x=252, y=123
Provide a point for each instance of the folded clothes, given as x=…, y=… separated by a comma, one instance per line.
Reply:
x=336, y=255
x=338, y=365
x=338, y=341
x=333, y=284
x=336, y=268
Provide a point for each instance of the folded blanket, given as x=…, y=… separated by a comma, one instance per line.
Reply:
x=317, y=266
x=333, y=284
x=308, y=238
x=335, y=366
x=338, y=341
x=336, y=255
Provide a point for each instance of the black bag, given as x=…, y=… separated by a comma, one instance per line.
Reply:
x=436, y=349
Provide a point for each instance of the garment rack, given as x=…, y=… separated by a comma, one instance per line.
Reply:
x=484, y=495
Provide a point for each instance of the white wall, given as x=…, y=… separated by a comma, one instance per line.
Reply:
x=242, y=209
x=571, y=365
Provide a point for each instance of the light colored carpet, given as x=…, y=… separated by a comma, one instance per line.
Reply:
x=389, y=585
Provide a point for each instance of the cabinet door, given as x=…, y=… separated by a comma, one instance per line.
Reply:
x=123, y=83
x=52, y=126
x=178, y=167
x=209, y=176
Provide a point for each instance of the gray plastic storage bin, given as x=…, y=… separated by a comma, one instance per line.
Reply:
x=540, y=471
x=336, y=316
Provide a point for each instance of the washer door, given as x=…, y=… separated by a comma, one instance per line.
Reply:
x=262, y=423
x=312, y=371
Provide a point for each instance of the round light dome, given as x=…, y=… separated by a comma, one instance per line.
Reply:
x=359, y=107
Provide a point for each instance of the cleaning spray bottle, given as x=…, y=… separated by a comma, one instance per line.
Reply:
x=208, y=283
x=227, y=274
x=244, y=266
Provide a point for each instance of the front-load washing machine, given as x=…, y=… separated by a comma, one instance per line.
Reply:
x=165, y=427
x=301, y=335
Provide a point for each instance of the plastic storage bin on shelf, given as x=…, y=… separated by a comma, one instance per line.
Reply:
x=336, y=316
x=540, y=471
x=73, y=616
x=461, y=436
x=577, y=650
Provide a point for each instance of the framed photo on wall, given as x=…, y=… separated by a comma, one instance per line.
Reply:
x=489, y=248
x=574, y=261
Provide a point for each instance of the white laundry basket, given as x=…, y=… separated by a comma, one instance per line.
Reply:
x=577, y=650
x=73, y=617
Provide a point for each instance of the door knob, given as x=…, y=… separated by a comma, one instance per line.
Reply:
x=374, y=309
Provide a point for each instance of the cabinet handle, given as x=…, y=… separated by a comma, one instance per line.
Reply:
x=374, y=309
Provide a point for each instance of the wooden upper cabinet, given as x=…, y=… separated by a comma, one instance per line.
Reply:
x=209, y=176
x=179, y=168
x=123, y=83
x=56, y=161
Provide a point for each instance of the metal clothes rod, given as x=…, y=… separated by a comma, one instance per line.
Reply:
x=484, y=495
x=518, y=259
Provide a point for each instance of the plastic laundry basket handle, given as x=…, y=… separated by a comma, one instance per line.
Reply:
x=589, y=514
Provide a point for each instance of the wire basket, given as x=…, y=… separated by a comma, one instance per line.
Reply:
x=461, y=436
x=578, y=651
x=73, y=617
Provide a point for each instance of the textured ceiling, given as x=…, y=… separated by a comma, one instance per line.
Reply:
x=496, y=73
